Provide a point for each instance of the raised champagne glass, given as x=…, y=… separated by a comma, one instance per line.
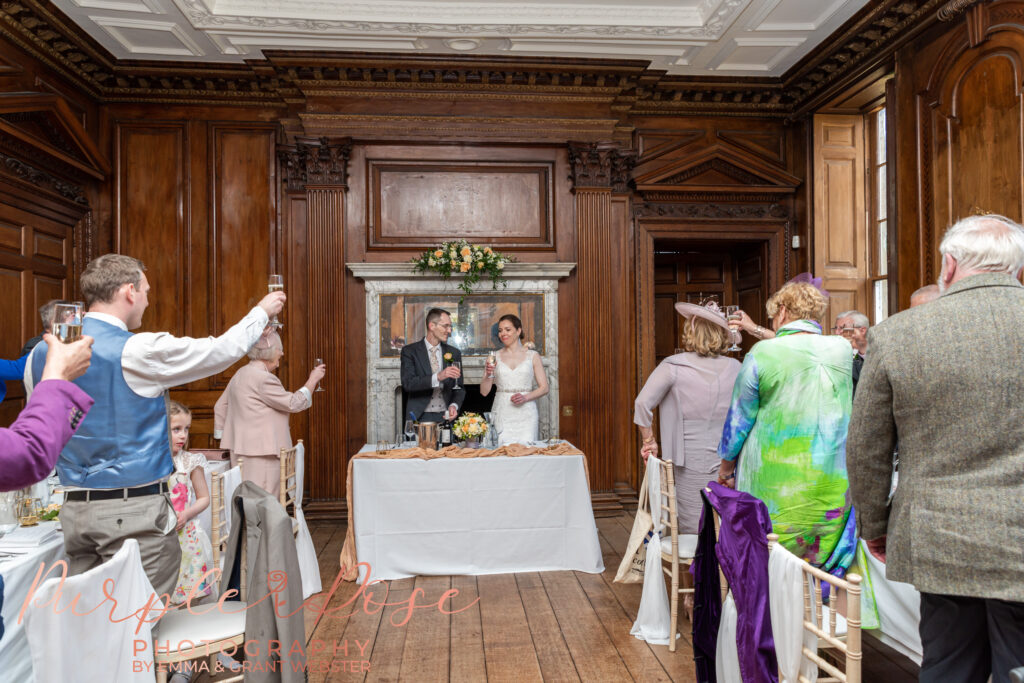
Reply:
x=492, y=362
x=67, y=322
x=319, y=362
x=733, y=317
x=275, y=283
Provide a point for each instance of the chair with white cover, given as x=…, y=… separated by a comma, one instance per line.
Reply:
x=309, y=566
x=212, y=629
x=678, y=549
x=64, y=646
x=827, y=633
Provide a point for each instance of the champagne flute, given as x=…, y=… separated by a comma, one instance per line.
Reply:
x=732, y=316
x=319, y=362
x=275, y=283
x=492, y=362
x=67, y=322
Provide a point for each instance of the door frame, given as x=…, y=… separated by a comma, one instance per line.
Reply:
x=773, y=233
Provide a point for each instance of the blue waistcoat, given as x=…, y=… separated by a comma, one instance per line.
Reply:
x=125, y=438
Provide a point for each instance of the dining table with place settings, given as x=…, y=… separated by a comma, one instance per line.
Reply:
x=461, y=511
x=23, y=552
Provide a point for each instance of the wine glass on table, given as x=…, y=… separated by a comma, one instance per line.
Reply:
x=732, y=317
x=67, y=322
x=275, y=283
x=409, y=431
x=319, y=362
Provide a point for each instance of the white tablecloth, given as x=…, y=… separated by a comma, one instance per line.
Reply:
x=899, y=610
x=473, y=516
x=18, y=573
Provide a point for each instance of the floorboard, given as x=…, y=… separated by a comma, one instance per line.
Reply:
x=534, y=626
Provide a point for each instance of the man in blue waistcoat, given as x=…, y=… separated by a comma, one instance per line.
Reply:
x=119, y=460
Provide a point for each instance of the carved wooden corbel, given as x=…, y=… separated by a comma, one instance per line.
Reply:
x=600, y=165
x=314, y=161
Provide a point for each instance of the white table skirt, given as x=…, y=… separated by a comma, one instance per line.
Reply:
x=15, y=656
x=473, y=516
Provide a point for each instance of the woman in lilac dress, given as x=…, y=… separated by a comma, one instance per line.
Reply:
x=692, y=391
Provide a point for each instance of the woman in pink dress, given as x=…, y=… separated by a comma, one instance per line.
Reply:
x=692, y=391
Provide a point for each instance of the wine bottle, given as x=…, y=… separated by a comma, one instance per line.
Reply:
x=446, y=433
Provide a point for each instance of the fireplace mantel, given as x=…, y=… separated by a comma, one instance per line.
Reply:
x=383, y=382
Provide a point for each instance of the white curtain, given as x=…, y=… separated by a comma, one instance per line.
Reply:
x=653, y=619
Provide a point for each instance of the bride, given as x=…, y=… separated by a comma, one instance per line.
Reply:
x=519, y=376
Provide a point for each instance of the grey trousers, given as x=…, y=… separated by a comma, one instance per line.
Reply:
x=94, y=531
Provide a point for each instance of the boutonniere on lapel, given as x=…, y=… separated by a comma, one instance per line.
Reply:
x=448, y=357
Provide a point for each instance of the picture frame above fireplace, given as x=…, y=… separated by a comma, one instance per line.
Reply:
x=475, y=320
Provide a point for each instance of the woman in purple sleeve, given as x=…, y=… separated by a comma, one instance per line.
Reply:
x=30, y=447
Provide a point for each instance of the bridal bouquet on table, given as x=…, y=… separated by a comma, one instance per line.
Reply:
x=470, y=428
x=465, y=259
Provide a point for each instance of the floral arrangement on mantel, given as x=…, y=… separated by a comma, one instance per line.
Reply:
x=468, y=260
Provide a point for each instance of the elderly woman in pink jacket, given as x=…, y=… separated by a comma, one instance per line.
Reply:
x=251, y=416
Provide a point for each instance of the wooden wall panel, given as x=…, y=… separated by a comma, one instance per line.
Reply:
x=422, y=204
x=960, y=132
x=152, y=191
x=243, y=222
x=840, y=225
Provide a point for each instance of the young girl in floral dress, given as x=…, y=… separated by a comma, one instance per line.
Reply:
x=188, y=483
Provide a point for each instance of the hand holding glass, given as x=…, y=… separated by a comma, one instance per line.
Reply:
x=733, y=317
x=492, y=361
x=318, y=363
x=67, y=322
x=275, y=283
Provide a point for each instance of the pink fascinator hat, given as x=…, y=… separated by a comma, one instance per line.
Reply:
x=710, y=312
x=815, y=282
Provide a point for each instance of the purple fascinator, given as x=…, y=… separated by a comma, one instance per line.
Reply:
x=811, y=280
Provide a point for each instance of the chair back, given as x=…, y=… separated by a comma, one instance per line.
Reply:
x=667, y=514
x=824, y=629
x=64, y=646
x=222, y=489
x=289, y=482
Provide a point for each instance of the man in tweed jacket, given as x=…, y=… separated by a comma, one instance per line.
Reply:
x=946, y=381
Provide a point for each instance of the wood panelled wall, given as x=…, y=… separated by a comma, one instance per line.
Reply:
x=960, y=131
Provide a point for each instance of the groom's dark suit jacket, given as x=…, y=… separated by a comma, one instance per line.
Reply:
x=416, y=372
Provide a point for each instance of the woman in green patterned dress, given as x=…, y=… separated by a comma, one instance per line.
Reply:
x=787, y=427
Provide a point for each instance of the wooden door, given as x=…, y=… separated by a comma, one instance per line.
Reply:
x=694, y=271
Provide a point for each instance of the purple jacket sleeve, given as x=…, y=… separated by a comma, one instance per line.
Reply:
x=30, y=447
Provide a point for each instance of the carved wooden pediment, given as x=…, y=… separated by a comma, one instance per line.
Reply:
x=40, y=129
x=718, y=168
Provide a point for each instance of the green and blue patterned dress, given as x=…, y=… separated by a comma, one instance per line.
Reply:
x=787, y=425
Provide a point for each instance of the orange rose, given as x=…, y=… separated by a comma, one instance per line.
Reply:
x=479, y=265
x=464, y=267
x=439, y=253
x=466, y=251
x=487, y=250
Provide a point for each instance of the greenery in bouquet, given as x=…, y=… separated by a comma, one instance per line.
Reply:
x=49, y=513
x=471, y=261
x=469, y=426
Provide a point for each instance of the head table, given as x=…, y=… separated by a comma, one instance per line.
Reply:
x=460, y=511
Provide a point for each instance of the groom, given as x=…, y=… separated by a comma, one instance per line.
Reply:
x=433, y=384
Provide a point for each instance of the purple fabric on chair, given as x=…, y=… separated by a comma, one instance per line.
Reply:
x=742, y=553
x=30, y=447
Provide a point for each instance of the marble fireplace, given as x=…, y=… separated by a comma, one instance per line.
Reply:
x=396, y=302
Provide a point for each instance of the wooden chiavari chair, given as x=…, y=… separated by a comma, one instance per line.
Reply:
x=677, y=550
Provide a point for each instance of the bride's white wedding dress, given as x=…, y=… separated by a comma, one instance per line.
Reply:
x=515, y=424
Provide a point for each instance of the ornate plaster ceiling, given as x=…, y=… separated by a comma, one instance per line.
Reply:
x=684, y=37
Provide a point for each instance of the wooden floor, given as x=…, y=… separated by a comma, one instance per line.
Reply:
x=550, y=626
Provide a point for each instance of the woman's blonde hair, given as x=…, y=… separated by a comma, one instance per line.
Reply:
x=803, y=301
x=704, y=337
x=175, y=408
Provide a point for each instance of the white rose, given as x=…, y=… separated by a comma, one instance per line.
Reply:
x=500, y=265
x=431, y=262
